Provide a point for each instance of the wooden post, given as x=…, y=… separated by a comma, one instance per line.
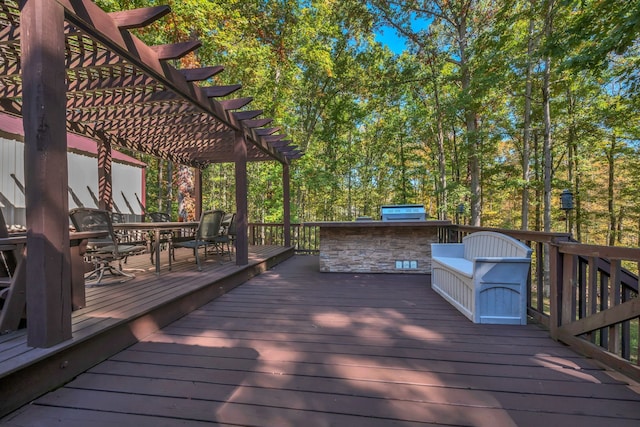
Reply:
x=197, y=182
x=286, y=195
x=46, y=178
x=240, y=156
x=105, y=186
x=555, y=289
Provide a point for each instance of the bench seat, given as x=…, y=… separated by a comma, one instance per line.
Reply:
x=460, y=265
x=484, y=277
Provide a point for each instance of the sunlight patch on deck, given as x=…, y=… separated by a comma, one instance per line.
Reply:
x=421, y=333
x=563, y=366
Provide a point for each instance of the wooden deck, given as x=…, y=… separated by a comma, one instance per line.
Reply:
x=118, y=315
x=295, y=347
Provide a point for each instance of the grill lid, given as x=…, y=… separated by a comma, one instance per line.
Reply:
x=402, y=213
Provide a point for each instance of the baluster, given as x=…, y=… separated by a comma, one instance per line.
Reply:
x=593, y=292
x=615, y=298
x=604, y=304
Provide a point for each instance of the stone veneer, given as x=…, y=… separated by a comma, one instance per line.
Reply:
x=376, y=249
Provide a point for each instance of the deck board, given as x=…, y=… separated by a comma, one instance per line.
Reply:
x=295, y=347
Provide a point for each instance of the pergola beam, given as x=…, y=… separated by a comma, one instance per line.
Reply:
x=269, y=139
x=166, y=52
x=266, y=131
x=139, y=18
x=245, y=115
x=220, y=91
x=256, y=123
x=200, y=74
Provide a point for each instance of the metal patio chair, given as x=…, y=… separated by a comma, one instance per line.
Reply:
x=159, y=216
x=208, y=230
x=228, y=234
x=102, y=253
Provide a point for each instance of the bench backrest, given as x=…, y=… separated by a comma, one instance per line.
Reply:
x=492, y=244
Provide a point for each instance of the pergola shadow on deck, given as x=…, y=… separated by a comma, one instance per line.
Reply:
x=295, y=347
x=117, y=315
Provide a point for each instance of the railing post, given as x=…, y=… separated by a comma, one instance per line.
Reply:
x=555, y=276
x=540, y=248
x=286, y=204
x=240, y=159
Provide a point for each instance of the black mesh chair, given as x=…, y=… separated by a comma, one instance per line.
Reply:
x=159, y=216
x=118, y=218
x=104, y=251
x=227, y=235
x=208, y=230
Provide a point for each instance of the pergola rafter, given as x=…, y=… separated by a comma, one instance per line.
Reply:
x=112, y=76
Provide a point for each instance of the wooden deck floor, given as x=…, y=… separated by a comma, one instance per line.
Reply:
x=119, y=314
x=294, y=347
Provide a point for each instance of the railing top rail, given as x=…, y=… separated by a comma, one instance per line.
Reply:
x=609, y=252
x=526, y=235
x=278, y=224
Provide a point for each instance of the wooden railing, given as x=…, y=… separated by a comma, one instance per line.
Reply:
x=595, y=306
x=305, y=239
x=585, y=296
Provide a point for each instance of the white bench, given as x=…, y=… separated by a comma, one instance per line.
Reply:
x=485, y=277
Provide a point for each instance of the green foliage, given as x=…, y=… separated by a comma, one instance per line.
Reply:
x=374, y=124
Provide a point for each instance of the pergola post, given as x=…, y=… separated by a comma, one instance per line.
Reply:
x=240, y=158
x=286, y=195
x=105, y=184
x=44, y=119
x=197, y=183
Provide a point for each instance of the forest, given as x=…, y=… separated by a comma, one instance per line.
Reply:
x=490, y=110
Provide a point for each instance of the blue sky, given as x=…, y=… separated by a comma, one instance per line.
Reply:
x=389, y=37
x=397, y=44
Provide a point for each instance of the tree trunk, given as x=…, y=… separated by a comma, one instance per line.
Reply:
x=619, y=225
x=160, y=200
x=169, y=194
x=538, y=175
x=546, y=101
x=442, y=163
x=470, y=116
x=578, y=203
x=571, y=149
x=526, y=136
x=610, y=191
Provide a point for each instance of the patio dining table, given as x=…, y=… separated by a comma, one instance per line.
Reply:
x=156, y=229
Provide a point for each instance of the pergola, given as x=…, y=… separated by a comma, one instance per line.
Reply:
x=68, y=66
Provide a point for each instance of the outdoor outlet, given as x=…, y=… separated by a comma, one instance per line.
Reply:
x=406, y=265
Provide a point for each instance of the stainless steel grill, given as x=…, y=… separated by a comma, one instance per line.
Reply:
x=402, y=213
